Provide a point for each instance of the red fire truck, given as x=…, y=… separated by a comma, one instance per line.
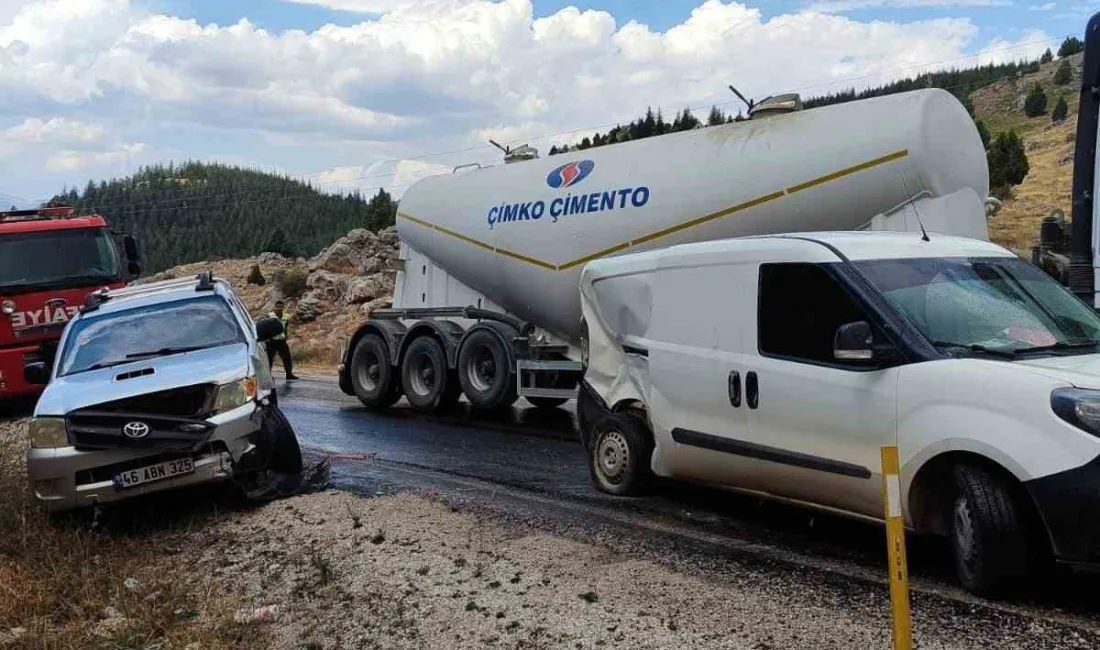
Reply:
x=49, y=262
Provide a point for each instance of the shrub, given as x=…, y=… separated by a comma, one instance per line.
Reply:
x=1071, y=46
x=291, y=282
x=256, y=277
x=1061, y=109
x=1008, y=164
x=1064, y=74
x=1036, y=102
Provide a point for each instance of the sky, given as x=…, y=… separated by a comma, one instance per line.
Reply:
x=368, y=94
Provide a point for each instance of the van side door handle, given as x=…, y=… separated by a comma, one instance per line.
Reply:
x=735, y=389
x=752, y=390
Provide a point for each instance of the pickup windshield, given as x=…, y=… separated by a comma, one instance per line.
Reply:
x=145, y=332
x=56, y=258
x=1001, y=307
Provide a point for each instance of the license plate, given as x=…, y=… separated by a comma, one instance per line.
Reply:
x=158, y=472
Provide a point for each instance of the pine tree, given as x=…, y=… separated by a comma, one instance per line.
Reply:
x=277, y=243
x=1036, y=102
x=1061, y=110
x=1071, y=46
x=381, y=211
x=1008, y=164
x=715, y=118
x=1064, y=74
x=1047, y=57
x=983, y=132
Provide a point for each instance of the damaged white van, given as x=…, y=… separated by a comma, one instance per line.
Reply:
x=781, y=365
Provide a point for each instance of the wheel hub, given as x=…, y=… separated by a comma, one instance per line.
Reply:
x=964, y=534
x=369, y=372
x=423, y=375
x=613, y=456
x=482, y=370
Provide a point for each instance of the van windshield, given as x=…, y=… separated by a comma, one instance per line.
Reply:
x=1002, y=306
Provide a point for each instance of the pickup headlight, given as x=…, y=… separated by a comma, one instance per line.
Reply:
x=1081, y=408
x=48, y=433
x=235, y=394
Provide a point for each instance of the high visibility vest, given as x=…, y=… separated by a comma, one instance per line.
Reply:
x=285, y=320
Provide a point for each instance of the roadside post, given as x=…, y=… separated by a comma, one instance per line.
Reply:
x=895, y=546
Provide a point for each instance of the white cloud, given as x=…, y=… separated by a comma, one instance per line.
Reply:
x=66, y=145
x=1050, y=6
x=1030, y=45
x=359, y=6
x=425, y=76
x=839, y=6
x=393, y=175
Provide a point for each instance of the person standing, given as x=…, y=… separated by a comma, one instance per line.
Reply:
x=278, y=344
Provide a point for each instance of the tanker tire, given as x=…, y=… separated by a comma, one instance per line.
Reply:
x=372, y=377
x=547, y=402
x=619, y=457
x=988, y=534
x=424, y=375
x=484, y=373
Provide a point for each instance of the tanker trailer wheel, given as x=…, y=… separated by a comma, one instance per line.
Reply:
x=372, y=377
x=619, y=456
x=424, y=375
x=484, y=372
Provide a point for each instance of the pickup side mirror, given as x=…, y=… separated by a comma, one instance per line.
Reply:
x=132, y=256
x=268, y=328
x=36, y=374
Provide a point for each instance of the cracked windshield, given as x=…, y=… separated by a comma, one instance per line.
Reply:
x=547, y=325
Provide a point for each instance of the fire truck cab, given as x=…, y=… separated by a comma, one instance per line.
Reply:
x=50, y=261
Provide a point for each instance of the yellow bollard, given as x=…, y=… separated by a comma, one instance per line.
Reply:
x=895, y=546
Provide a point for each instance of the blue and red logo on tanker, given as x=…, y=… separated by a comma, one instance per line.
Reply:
x=570, y=174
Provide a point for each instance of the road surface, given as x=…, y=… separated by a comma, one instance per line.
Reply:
x=525, y=466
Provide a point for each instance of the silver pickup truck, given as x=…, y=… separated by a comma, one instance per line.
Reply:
x=156, y=387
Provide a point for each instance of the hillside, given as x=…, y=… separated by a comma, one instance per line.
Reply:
x=1049, y=149
x=196, y=211
x=328, y=296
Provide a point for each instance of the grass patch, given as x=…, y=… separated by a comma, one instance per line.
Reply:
x=73, y=582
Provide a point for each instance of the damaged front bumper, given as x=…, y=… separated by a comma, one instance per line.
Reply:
x=75, y=476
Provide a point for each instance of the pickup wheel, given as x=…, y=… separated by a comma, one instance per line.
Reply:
x=424, y=375
x=619, y=456
x=281, y=458
x=372, y=376
x=484, y=373
x=988, y=533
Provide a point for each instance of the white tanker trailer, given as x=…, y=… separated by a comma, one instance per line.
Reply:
x=487, y=301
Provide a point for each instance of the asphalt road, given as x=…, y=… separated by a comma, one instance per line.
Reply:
x=526, y=467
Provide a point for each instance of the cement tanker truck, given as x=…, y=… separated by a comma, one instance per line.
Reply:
x=486, y=303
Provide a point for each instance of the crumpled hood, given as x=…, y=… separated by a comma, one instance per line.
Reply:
x=1082, y=370
x=215, y=365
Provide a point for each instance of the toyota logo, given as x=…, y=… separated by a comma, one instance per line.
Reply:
x=135, y=430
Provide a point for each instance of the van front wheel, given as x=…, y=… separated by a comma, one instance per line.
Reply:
x=988, y=534
x=620, y=454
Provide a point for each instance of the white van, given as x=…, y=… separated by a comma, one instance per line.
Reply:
x=781, y=365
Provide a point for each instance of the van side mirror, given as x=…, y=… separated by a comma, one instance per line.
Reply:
x=268, y=328
x=854, y=342
x=36, y=374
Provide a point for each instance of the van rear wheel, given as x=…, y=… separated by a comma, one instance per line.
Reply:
x=988, y=532
x=619, y=456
